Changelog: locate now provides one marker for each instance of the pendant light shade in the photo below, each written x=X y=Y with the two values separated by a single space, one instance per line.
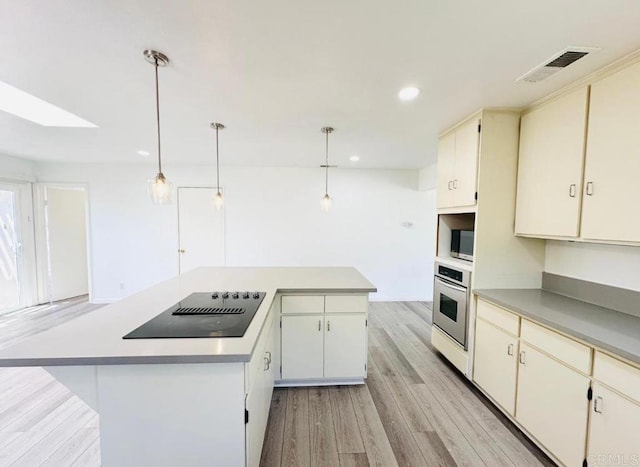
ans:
x=218 y=200
x=325 y=202
x=160 y=189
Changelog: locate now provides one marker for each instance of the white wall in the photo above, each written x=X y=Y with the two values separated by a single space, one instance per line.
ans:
x=273 y=218
x=607 y=264
x=13 y=168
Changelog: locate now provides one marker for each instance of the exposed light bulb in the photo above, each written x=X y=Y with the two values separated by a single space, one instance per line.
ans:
x=325 y=203
x=160 y=190
x=218 y=201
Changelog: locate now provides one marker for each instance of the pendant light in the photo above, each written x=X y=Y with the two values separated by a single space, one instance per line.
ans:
x=218 y=201
x=325 y=202
x=160 y=189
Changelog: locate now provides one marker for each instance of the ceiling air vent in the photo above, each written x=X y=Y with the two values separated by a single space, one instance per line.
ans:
x=556 y=63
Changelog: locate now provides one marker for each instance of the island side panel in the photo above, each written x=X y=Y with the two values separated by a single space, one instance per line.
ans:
x=168 y=415
x=81 y=380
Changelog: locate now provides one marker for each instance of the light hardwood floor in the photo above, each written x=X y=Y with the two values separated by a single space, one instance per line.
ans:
x=41 y=422
x=414 y=410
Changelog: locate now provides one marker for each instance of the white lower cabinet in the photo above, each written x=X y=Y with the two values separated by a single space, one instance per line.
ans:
x=345 y=346
x=495 y=365
x=302 y=347
x=552 y=404
x=259 y=377
x=324 y=346
x=614 y=429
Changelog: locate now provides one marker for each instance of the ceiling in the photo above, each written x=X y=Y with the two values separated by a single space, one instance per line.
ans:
x=274 y=72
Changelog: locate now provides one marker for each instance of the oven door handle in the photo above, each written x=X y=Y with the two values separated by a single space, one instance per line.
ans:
x=451 y=285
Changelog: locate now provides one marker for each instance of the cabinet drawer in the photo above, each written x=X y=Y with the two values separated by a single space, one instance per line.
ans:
x=302 y=304
x=498 y=317
x=562 y=348
x=346 y=303
x=618 y=375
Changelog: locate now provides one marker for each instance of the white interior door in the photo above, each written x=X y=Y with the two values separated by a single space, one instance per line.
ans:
x=66 y=226
x=17 y=253
x=200 y=229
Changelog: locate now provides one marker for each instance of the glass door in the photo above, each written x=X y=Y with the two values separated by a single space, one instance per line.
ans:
x=11 y=296
x=17 y=246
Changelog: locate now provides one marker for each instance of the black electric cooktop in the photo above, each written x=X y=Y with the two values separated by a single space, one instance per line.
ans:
x=215 y=314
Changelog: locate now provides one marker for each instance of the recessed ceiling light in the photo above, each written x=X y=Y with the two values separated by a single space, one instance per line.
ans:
x=354 y=158
x=24 y=105
x=408 y=93
x=144 y=153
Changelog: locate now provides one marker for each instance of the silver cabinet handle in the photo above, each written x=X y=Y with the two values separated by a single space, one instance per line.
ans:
x=590 y=188
x=522 y=357
x=268 y=355
x=572 y=190
x=455 y=184
x=319 y=325
x=328 y=325
x=449 y=185
x=267 y=363
x=510 y=349
x=597 y=404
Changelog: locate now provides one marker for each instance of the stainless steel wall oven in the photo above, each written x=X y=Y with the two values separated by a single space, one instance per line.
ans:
x=451 y=301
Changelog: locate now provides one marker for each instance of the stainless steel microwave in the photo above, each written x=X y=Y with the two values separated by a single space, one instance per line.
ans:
x=462 y=244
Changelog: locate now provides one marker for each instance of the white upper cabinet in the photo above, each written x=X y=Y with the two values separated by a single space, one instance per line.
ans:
x=458 y=166
x=446 y=169
x=550 y=167
x=613 y=159
x=465 y=183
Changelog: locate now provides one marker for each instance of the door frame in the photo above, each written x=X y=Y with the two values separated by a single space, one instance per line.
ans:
x=41 y=241
x=27 y=265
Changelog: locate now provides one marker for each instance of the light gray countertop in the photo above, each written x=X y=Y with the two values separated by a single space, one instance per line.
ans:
x=96 y=338
x=610 y=330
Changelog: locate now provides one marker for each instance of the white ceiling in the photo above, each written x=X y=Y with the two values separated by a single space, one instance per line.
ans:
x=276 y=71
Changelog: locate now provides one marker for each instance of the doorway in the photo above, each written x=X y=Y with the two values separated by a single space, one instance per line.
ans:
x=63 y=269
x=17 y=252
x=200 y=229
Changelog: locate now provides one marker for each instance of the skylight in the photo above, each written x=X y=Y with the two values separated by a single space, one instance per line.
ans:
x=24 y=105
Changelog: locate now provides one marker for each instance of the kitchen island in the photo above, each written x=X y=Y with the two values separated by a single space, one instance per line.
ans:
x=199 y=401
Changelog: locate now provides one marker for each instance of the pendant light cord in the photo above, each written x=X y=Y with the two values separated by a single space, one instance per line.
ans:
x=158 y=118
x=326 y=177
x=217 y=161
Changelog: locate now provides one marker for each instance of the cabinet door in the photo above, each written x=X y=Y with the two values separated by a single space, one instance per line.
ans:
x=614 y=428
x=465 y=181
x=446 y=163
x=302 y=346
x=345 y=349
x=550 y=166
x=612 y=164
x=495 y=364
x=253 y=435
x=552 y=404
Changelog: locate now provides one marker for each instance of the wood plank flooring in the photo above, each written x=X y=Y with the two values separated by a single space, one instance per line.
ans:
x=414 y=410
x=41 y=422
